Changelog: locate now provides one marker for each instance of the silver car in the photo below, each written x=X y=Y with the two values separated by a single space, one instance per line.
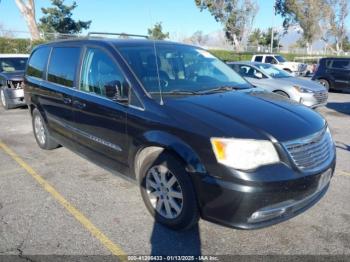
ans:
x=272 y=79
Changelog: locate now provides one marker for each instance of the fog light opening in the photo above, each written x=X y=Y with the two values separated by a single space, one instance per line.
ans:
x=264 y=215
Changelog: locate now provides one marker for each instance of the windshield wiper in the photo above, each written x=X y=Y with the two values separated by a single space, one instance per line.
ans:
x=220 y=89
x=180 y=92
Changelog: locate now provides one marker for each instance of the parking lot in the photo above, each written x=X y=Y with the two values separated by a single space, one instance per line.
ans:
x=55 y=202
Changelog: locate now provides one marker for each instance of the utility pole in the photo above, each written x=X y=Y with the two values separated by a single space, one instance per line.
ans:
x=272 y=27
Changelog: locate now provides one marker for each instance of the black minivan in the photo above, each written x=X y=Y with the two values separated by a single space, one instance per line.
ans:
x=198 y=139
x=333 y=73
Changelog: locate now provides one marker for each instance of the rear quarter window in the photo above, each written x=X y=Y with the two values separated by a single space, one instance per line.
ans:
x=37 y=62
x=340 y=64
x=63 y=65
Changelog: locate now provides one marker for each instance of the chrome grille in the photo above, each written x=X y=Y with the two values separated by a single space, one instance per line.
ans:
x=312 y=153
x=321 y=97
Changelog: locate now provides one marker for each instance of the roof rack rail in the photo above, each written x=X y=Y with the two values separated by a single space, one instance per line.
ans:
x=118 y=34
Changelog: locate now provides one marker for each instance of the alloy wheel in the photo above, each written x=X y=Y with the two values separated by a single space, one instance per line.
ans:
x=324 y=83
x=164 y=192
x=39 y=130
x=3 y=99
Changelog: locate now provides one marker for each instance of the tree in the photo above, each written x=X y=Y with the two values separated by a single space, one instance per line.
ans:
x=259 y=37
x=306 y=13
x=198 y=38
x=339 y=14
x=256 y=37
x=27 y=9
x=58 y=19
x=346 y=44
x=237 y=17
x=157 y=32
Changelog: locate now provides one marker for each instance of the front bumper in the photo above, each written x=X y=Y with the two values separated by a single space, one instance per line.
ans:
x=15 y=97
x=312 y=100
x=277 y=192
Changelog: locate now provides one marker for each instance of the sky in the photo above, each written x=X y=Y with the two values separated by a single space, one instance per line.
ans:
x=180 y=18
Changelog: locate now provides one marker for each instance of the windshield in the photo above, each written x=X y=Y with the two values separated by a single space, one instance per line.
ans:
x=13 y=64
x=280 y=59
x=180 y=68
x=273 y=71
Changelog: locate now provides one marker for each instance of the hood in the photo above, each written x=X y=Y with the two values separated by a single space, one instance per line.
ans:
x=15 y=75
x=257 y=111
x=292 y=81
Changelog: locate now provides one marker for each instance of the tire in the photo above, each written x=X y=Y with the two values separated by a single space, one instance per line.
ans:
x=184 y=213
x=41 y=133
x=325 y=83
x=4 y=99
x=281 y=93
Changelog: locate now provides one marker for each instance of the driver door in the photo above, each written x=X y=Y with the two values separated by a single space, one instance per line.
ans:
x=100 y=121
x=271 y=60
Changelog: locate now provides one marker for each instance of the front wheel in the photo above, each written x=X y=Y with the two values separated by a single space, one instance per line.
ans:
x=41 y=133
x=4 y=99
x=281 y=93
x=167 y=191
x=325 y=83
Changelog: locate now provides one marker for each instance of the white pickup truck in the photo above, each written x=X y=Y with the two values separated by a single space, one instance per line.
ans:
x=280 y=62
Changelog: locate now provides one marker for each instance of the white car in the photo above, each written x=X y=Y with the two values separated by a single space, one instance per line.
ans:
x=12 y=68
x=280 y=62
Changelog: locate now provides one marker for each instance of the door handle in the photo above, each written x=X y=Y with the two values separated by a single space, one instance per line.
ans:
x=79 y=104
x=67 y=100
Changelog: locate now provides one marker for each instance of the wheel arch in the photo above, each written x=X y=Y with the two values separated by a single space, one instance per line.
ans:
x=280 y=90
x=160 y=141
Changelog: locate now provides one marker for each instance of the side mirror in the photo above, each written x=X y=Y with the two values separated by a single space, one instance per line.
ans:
x=258 y=75
x=117 y=91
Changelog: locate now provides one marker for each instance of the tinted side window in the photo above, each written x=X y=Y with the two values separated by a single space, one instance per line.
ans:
x=270 y=60
x=63 y=64
x=101 y=75
x=341 y=64
x=328 y=63
x=37 y=62
x=134 y=100
x=258 y=58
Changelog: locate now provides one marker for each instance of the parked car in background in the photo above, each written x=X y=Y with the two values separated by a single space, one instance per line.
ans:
x=198 y=139
x=333 y=73
x=280 y=62
x=12 y=68
x=275 y=80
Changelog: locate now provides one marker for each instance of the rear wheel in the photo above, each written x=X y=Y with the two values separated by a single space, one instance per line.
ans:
x=167 y=191
x=41 y=133
x=325 y=83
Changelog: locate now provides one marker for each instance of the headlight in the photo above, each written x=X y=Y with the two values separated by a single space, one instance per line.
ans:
x=244 y=154
x=302 y=89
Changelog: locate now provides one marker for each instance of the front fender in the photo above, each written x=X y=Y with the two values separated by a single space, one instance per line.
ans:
x=172 y=143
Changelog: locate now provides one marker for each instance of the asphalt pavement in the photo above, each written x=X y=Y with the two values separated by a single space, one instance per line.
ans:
x=57 y=203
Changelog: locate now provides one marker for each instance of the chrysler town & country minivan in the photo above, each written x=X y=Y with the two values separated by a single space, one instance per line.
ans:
x=198 y=139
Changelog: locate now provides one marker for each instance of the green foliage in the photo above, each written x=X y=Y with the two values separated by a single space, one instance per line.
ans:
x=17 y=45
x=58 y=19
x=346 y=44
x=259 y=37
x=306 y=13
x=157 y=32
x=230 y=56
x=236 y=17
